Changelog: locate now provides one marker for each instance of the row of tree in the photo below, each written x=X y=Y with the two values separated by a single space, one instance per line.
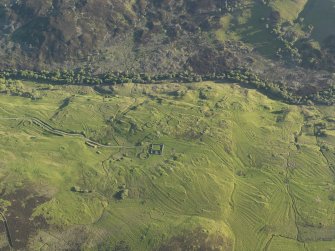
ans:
x=86 y=77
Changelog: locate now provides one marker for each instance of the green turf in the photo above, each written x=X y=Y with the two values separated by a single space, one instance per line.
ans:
x=240 y=169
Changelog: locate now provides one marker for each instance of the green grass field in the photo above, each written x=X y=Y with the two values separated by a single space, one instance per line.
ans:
x=239 y=171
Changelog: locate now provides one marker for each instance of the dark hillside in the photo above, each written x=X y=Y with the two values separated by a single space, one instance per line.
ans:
x=49 y=33
x=275 y=39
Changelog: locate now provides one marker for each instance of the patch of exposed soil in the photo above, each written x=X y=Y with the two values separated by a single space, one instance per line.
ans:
x=199 y=240
x=19 y=218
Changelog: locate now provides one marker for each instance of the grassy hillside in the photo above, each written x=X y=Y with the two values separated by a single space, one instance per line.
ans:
x=238 y=171
x=320 y=14
x=288 y=9
x=247 y=27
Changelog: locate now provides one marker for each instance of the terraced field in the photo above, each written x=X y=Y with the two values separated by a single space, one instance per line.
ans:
x=239 y=171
